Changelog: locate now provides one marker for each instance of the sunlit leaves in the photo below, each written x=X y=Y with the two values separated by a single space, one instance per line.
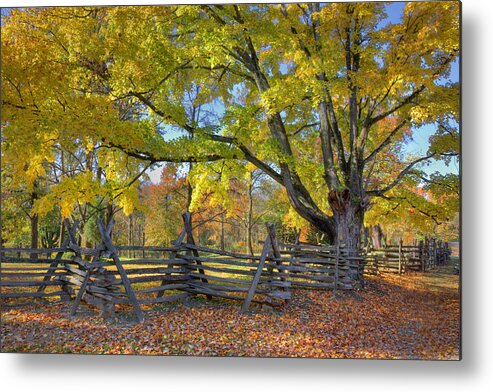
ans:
x=153 y=81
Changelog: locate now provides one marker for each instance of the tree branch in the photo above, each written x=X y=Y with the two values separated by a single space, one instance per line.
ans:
x=133 y=180
x=147 y=156
x=405 y=199
x=304 y=127
x=213 y=14
x=399 y=105
x=327 y=154
x=249 y=156
x=381 y=192
x=442 y=184
x=385 y=143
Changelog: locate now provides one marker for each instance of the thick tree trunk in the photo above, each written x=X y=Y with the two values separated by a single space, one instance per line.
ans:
x=348 y=216
x=298 y=195
x=349 y=226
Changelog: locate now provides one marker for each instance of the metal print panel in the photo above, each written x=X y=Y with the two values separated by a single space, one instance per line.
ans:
x=262 y=180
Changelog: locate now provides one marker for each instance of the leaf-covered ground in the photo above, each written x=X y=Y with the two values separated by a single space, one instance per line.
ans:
x=413 y=316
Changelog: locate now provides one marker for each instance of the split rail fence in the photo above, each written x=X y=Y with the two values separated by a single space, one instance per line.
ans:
x=104 y=280
x=102 y=277
x=421 y=256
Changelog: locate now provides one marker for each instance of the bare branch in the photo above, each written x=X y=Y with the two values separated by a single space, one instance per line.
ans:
x=133 y=180
x=406 y=200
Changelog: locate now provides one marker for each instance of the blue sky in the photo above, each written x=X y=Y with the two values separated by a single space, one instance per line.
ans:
x=419 y=145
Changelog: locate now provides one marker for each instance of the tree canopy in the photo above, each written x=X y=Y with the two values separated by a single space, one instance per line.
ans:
x=321 y=98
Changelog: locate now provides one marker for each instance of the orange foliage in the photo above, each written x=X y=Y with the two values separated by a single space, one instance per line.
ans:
x=304 y=234
x=410 y=316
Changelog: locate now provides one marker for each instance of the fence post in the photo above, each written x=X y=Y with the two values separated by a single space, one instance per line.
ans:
x=336 y=272
x=275 y=247
x=400 y=256
x=82 y=288
x=71 y=229
x=187 y=221
x=98 y=251
x=114 y=255
x=365 y=252
x=258 y=273
x=422 y=255
x=435 y=255
x=173 y=255
x=294 y=254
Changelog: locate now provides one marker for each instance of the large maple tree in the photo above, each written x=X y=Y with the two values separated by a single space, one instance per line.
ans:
x=311 y=94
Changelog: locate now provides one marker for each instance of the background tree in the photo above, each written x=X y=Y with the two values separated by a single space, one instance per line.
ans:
x=164 y=203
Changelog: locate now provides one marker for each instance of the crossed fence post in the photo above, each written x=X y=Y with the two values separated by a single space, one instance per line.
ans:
x=270 y=245
x=71 y=229
x=107 y=245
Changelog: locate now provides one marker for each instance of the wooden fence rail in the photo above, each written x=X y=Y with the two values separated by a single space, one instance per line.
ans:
x=171 y=273
x=400 y=258
x=103 y=281
x=183 y=270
